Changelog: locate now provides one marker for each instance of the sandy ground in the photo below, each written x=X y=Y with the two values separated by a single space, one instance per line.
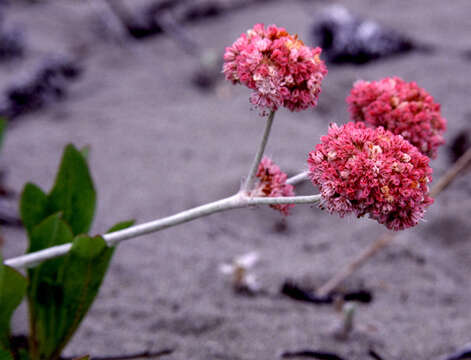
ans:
x=160 y=145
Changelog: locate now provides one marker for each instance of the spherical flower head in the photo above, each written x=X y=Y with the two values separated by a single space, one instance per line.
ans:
x=402 y=108
x=277 y=66
x=371 y=171
x=272 y=183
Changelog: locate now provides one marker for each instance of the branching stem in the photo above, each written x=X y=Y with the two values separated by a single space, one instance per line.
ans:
x=239 y=200
x=236 y=201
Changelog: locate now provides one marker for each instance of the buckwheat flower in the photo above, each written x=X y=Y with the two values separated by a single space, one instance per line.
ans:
x=371 y=171
x=277 y=66
x=272 y=183
x=402 y=108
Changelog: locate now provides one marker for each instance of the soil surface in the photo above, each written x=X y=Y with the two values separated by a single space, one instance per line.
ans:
x=160 y=145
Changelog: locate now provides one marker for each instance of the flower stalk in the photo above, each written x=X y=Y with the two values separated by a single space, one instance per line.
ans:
x=296 y=179
x=238 y=200
x=249 y=181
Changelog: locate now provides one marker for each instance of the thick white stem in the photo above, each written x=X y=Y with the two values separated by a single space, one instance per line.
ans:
x=182 y=217
x=236 y=201
x=307 y=199
x=35 y=258
x=249 y=181
x=296 y=179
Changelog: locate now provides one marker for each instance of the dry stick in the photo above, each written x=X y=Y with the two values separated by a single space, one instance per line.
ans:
x=460 y=165
x=385 y=239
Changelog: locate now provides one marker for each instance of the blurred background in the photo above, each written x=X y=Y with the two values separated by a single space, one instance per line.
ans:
x=140 y=82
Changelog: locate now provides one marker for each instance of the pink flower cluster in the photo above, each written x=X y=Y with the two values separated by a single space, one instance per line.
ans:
x=272 y=183
x=371 y=171
x=280 y=69
x=402 y=108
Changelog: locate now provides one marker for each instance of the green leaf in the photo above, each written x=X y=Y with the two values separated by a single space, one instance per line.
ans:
x=85 y=151
x=86 y=357
x=121 y=225
x=50 y=232
x=62 y=290
x=33 y=206
x=5 y=355
x=73 y=193
x=45 y=293
x=2 y=274
x=12 y=290
x=23 y=354
x=82 y=274
x=3 y=125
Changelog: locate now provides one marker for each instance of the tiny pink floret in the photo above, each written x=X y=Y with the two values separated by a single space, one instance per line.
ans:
x=282 y=71
x=363 y=171
x=402 y=108
x=272 y=183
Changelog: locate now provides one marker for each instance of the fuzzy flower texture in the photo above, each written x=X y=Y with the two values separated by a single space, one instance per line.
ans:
x=280 y=69
x=371 y=171
x=402 y=108
x=272 y=183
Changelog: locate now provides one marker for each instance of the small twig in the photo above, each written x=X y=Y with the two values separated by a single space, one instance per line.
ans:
x=249 y=181
x=144 y=354
x=461 y=164
x=385 y=239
